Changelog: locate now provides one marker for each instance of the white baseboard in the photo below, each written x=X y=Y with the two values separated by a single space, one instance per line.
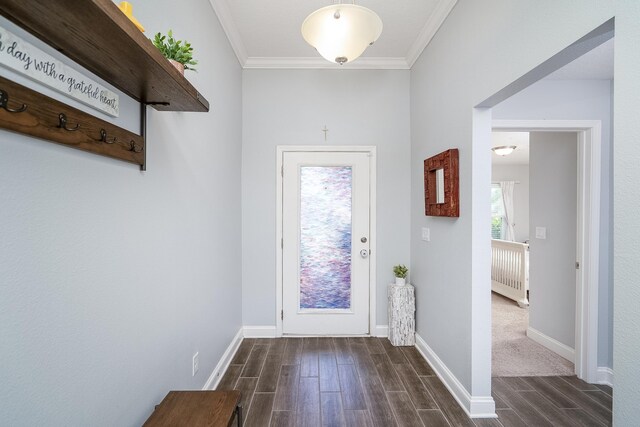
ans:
x=474 y=406
x=224 y=362
x=604 y=376
x=552 y=344
x=259 y=331
x=381 y=331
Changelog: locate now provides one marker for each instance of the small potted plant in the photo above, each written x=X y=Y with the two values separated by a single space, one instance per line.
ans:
x=400 y=271
x=179 y=54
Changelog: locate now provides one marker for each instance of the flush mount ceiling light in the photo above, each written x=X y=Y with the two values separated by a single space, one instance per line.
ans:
x=504 y=150
x=341 y=32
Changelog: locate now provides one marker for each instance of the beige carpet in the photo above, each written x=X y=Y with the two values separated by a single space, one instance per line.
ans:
x=513 y=354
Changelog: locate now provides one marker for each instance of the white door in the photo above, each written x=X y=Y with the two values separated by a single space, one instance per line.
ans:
x=325 y=256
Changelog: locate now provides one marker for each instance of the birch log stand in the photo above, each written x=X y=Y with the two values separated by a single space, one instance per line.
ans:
x=402 y=307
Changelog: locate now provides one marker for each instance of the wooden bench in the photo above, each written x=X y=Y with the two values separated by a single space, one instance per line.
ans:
x=197 y=408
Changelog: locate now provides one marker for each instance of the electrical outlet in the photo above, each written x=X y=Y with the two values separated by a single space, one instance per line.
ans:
x=196 y=364
x=426 y=234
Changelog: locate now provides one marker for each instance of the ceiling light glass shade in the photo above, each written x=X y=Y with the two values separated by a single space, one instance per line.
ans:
x=341 y=32
x=504 y=150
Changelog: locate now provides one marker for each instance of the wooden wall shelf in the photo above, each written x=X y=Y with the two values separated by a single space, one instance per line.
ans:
x=98 y=36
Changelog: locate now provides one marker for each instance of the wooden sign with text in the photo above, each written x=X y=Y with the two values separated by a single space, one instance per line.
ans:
x=22 y=57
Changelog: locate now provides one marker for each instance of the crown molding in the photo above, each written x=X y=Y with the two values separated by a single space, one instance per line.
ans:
x=221 y=8
x=442 y=10
x=362 y=63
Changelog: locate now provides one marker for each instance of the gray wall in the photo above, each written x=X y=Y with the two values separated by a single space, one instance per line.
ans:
x=520 y=174
x=553 y=160
x=290 y=107
x=480 y=49
x=627 y=205
x=580 y=100
x=110 y=278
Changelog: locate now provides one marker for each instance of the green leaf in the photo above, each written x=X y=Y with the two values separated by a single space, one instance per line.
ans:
x=177 y=50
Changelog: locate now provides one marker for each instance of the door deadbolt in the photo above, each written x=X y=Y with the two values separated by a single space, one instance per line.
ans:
x=363 y=240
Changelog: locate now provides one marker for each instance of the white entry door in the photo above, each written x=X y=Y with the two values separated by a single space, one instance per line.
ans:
x=325 y=256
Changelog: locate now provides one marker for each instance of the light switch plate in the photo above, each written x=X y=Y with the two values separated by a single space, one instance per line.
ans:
x=541 y=232
x=426 y=234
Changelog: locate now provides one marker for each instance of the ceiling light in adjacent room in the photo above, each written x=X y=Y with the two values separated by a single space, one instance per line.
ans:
x=504 y=150
x=341 y=32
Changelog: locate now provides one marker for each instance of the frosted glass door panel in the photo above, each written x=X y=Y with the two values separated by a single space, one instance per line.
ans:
x=325 y=237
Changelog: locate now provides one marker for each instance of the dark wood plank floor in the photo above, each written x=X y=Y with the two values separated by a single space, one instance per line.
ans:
x=368 y=382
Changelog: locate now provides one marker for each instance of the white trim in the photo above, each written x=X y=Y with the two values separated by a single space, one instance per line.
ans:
x=362 y=63
x=437 y=17
x=260 y=332
x=544 y=125
x=381 y=331
x=371 y=149
x=373 y=238
x=588 y=250
x=552 y=344
x=605 y=376
x=278 y=242
x=473 y=406
x=222 y=11
x=480 y=380
x=224 y=362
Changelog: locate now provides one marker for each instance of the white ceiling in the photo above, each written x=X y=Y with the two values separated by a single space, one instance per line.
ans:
x=267 y=34
x=596 y=64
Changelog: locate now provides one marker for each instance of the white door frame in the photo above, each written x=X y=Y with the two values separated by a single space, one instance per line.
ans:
x=588 y=231
x=371 y=150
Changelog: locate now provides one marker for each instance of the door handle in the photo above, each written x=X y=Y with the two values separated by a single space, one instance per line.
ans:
x=364 y=253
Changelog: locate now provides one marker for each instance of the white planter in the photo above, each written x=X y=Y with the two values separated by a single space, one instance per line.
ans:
x=401 y=281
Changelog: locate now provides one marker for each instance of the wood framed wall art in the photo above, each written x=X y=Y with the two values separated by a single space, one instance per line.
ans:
x=441 y=184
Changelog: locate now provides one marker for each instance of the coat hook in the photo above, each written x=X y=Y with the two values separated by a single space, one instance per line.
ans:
x=103 y=137
x=134 y=147
x=4 y=102
x=63 y=123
